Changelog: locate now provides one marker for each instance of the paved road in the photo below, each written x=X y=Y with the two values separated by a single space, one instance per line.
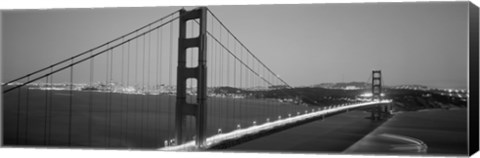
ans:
x=334 y=134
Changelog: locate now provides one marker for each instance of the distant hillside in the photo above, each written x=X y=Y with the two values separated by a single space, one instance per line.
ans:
x=344 y=85
x=228 y=90
x=365 y=85
x=404 y=99
x=309 y=95
x=413 y=86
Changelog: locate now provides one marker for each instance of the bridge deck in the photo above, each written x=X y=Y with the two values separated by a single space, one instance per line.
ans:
x=332 y=135
x=214 y=140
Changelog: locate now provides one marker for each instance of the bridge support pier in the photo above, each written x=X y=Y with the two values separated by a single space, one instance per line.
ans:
x=372 y=115
x=375 y=113
x=380 y=112
x=198 y=109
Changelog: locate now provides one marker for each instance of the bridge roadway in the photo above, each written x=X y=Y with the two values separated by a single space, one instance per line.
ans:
x=219 y=138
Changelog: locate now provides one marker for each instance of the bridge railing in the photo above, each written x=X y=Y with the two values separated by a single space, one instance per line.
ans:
x=317 y=113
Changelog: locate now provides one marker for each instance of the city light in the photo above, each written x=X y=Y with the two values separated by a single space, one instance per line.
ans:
x=366 y=95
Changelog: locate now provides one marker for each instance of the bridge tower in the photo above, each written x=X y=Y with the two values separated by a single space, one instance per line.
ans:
x=183 y=108
x=377 y=84
x=376 y=94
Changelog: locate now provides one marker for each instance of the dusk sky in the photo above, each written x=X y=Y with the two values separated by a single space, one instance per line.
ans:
x=412 y=43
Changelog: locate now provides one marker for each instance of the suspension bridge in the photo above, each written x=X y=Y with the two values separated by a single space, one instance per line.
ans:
x=182 y=82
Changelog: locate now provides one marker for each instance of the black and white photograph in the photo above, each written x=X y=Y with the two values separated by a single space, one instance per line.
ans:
x=377 y=78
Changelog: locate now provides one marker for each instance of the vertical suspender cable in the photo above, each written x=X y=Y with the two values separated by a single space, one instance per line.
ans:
x=106 y=96
x=142 y=109
x=216 y=72
x=18 y=116
x=241 y=94
x=148 y=83
x=234 y=88
x=217 y=82
x=170 y=132
x=128 y=86
x=211 y=79
x=221 y=74
x=157 y=86
x=70 y=106
x=247 y=86
x=112 y=87
x=122 y=94
x=241 y=89
x=45 y=112
x=228 y=84
x=135 y=105
x=51 y=107
x=211 y=104
x=150 y=88
x=90 y=100
x=27 y=101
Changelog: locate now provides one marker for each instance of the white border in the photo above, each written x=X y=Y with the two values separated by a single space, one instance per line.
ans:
x=83 y=153
x=48 y=4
